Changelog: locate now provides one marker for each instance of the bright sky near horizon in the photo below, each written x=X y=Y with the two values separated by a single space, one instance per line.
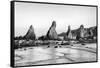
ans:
x=42 y=15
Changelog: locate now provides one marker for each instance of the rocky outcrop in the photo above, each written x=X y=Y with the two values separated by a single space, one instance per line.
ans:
x=86 y=32
x=80 y=33
x=30 y=34
x=68 y=34
x=52 y=34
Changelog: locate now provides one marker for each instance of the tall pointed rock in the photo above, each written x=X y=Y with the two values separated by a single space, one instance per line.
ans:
x=30 y=34
x=52 y=34
x=81 y=31
x=68 y=34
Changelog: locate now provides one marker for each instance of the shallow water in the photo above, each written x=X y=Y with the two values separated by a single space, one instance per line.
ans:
x=43 y=55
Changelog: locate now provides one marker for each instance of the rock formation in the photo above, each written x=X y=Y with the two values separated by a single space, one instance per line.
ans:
x=52 y=34
x=30 y=34
x=80 y=33
x=68 y=34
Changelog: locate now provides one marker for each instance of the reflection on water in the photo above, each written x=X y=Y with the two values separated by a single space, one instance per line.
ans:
x=42 y=55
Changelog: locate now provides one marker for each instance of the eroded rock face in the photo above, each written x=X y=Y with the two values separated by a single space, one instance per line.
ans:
x=52 y=34
x=30 y=34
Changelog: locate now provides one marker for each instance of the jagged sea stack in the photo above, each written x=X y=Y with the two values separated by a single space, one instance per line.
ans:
x=81 y=31
x=52 y=34
x=68 y=34
x=30 y=34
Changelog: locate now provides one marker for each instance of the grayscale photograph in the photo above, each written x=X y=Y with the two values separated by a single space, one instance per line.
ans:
x=54 y=34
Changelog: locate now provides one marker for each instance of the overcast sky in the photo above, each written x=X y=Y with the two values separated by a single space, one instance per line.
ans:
x=42 y=15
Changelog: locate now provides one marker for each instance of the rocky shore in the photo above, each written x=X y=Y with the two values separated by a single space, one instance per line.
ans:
x=80 y=35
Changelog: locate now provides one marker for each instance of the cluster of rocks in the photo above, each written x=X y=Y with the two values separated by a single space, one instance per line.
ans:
x=81 y=33
x=51 y=34
x=77 y=34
